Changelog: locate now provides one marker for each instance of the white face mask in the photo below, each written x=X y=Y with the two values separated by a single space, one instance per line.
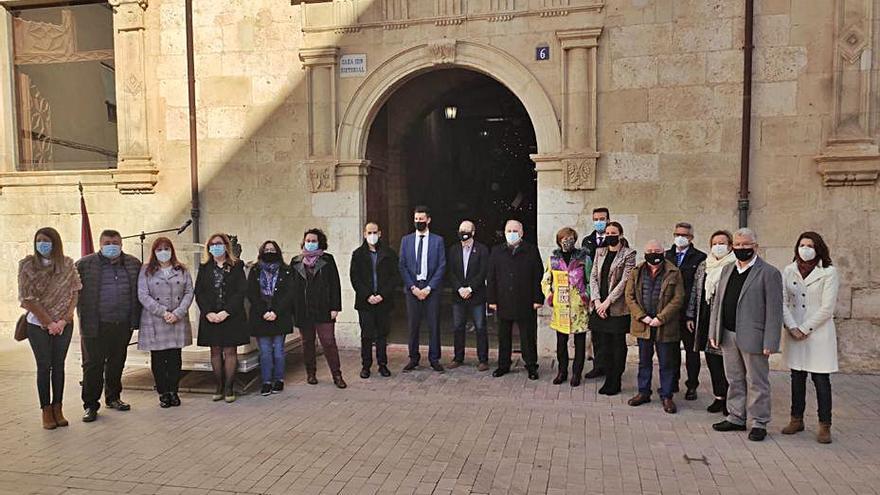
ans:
x=720 y=250
x=807 y=253
x=681 y=241
x=372 y=239
x=163 y=255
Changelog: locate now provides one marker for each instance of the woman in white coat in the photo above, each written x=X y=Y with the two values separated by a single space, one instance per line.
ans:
x=809 y=297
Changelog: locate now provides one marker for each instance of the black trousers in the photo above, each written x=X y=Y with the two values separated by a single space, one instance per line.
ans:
x=528 y=339
x=822 y=381
x=596 y=342
x=166 y=366
x=692 y=360
x=103 y=360
x=49 y=353
x=580 y=352
x=715 y=363
x=613 y=356
x=375 y=326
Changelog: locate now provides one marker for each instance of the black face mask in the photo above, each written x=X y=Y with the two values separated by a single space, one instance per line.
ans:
x=612 y=240
x=465 y=236
x=654 y=259
x=270 y=257
x=744 y=254
x=420 y=226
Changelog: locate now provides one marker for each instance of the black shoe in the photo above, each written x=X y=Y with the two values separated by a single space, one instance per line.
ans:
x=277 y=387
x=384 y=371
x=365 y=373
x=757 y=434
x=594 y=373
x=560 y=377
x=410 y=366
x=175 y=399
x=728 y=426
x=691 y=394
x=500 y=372
x=118 y=405
x=339 y=382
x=165 y=401
x=533 y=374
x=266 y=389
x=437 y=367
x=311 y=379
x=717 y=406
x=90 y=415
x=575 y=380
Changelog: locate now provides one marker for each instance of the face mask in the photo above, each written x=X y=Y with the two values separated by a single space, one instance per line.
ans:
x=654 y=259
x=612 y=240
x=270 y=257
x=512 y=237
x=310 y=246
x=600 y=225
x=807 y=253
x=44 y=248
x=567 y=244
x=464 y=235
x=681 y=241
x=163 y=255
x=719 y=250
x=111 y=250
x=744 y=254
x=420 y=226
x=217 y=249
x=372 y=239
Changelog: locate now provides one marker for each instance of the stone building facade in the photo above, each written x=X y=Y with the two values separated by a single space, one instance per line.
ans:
x=636 y=105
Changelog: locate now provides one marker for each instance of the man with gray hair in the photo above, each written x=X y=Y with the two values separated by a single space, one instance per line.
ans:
x=746 y=323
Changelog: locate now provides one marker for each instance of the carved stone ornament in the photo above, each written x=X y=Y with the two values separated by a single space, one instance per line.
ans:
x=322 y=176
x=579 y=174
x=442 y=51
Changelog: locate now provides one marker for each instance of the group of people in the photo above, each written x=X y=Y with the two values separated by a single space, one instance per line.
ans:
x=729 y=304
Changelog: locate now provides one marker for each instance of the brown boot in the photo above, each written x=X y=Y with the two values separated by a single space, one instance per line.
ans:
x=794 y=426
x=60 y=420
x=824 y=435
x=49 y=418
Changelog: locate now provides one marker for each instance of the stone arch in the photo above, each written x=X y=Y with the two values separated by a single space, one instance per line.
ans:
x=354 y=128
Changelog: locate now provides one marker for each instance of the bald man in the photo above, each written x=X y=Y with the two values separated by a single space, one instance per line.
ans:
x=467 y=263
x=514 y=293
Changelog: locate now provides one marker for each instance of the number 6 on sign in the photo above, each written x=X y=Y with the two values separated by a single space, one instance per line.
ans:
x=542 y=52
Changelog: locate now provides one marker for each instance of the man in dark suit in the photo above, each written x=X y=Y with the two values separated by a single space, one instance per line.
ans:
x=687 y=258
x=373 y=276
x=466 y=269
x=422 y=267
x=514 y=293
x=596 y=239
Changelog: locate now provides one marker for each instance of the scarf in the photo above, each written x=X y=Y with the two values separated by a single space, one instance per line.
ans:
x=806 y=267
x=268 y=277
x=54 y=287
x=713 y=273
x=309 y=258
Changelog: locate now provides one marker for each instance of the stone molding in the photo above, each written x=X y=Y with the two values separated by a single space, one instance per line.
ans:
x=129 y=179
x=578 y=169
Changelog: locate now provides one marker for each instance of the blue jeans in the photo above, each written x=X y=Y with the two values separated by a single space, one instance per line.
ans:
x=460 y=314
x=646 y=365
x=271 y=358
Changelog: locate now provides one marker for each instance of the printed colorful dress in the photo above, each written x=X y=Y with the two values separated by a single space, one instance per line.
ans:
x=570 y=289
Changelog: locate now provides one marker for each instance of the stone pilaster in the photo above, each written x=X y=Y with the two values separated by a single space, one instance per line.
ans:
x=320 y=63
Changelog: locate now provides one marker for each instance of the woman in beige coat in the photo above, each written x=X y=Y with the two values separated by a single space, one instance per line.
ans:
x=810 y=287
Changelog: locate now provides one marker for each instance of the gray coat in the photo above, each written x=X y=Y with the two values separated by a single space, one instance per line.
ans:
x=758 y=313
x=159 y=293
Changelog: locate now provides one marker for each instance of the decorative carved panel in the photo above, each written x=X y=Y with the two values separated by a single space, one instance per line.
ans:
x=322 y=175
x=579 y=173
x=442 y=51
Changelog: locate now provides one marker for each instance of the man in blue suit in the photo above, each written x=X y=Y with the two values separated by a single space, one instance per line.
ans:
x=422 y=267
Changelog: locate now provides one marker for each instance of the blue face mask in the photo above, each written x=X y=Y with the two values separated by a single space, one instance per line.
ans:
x=600 y=225
x=111 y=250
x=310 y=246
x=217 y=249
x=512 y=237
x=44 y=248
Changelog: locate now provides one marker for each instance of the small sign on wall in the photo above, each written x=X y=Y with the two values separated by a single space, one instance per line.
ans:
x=353 y=65
x=542 y=52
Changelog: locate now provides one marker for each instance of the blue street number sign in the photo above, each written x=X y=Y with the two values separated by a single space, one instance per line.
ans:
x=542 y=52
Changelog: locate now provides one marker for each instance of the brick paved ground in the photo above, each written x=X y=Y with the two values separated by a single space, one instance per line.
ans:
x=424 y=433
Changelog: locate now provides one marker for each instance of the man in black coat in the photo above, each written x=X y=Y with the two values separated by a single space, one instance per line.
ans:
x=467 y=264
x=109 y=310
x=374 y=276
x=514 y=293
x=596 y=239
x=687 y=258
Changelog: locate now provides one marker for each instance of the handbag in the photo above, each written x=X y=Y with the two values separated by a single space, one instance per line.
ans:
x=21 y=328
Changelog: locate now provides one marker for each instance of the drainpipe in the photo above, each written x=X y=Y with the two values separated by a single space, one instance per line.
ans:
x=193 y=134
x=745 y=151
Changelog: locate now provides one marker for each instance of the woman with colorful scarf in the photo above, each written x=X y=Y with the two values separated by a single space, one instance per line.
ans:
x=317 y=300
x=271 y=316
x=567 y=288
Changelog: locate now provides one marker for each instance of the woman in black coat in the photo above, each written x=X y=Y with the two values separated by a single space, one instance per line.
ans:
x=271 y=316
x=317 y=300
x=220 y=291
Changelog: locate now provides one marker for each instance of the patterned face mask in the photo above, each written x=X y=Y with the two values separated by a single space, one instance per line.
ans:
x=567 y=244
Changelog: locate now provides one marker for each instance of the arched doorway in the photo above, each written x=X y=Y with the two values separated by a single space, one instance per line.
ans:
x=459 y=142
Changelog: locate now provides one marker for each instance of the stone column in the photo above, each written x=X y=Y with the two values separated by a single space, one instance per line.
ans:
x=320 y=64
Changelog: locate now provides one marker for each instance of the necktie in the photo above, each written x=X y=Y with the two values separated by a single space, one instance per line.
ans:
x=679 y=257
x=419 y=254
